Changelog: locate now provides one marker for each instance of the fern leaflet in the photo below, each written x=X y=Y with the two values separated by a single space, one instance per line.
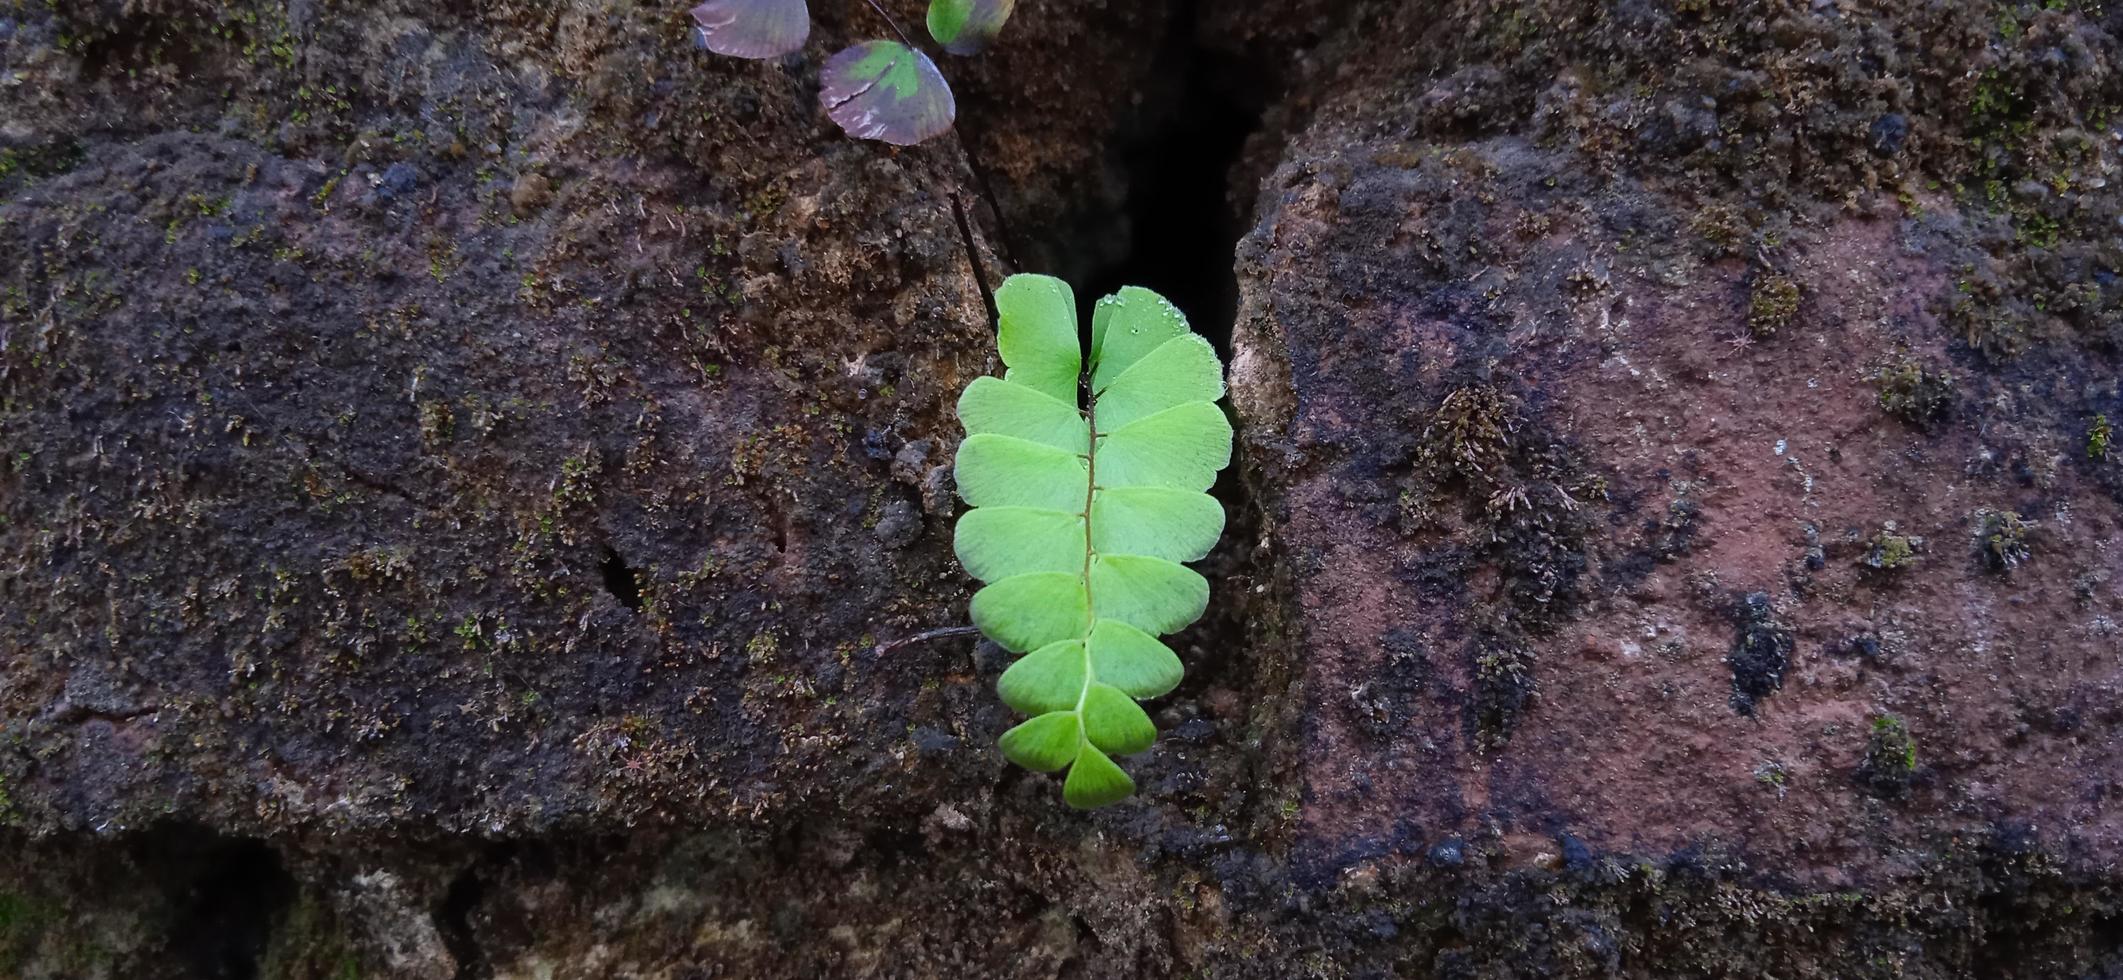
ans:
x=1087 y=485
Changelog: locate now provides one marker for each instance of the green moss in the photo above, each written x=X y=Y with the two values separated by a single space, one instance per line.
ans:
x=577 y=484
x=468 y=631
x=1503 y=688
x=323 y=198
x=2099 y=439
x=23 y=923
x=1469 y=436
x=1722 y=227
x=311 y=943
x=437 y=422
x=1774 y=775
x=2034 y=229
x=1997 y=110
x=1773 y=306
x=1889 y=765
x=1891 y=552
x=1914 y=393
x=1981 y=321
x=2001 y=539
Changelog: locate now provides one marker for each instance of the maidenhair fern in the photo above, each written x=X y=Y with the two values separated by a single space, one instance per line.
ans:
x=1087 y=487
x=875 y=90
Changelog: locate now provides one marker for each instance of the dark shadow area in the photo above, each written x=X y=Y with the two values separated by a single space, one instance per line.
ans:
x=619 y=579
x=454 y=922
x=1198 y=109
x=228 y=912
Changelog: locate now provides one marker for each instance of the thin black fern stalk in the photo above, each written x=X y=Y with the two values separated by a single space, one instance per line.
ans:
x=943 y=633
x=891 y=23
x=980 y=269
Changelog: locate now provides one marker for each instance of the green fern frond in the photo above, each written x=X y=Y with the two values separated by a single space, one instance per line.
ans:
x=1087 y=486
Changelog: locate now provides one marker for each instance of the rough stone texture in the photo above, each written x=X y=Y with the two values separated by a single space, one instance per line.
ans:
x=1666 y=526
x=460 y=458
x=475 y=474
x=1583 y=512
x=1585 y=394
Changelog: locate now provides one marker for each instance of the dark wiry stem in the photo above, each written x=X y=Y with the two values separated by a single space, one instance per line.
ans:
x=936 y=634
x=909 y=42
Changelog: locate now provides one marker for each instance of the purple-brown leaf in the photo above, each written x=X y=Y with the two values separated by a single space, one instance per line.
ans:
x=884 y=90
x=752 y=28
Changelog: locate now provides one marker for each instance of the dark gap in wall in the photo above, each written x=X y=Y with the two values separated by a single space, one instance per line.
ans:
x=227 y=914
x=619 y=579
x=895 y=846
x=454 y=919
x=1199 y=106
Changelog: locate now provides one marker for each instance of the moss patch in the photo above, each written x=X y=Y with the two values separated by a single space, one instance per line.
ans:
x=1891 y=552
x=1889 y=765
x=1915 y=393
x=1773 y=306
x=2002 y=539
